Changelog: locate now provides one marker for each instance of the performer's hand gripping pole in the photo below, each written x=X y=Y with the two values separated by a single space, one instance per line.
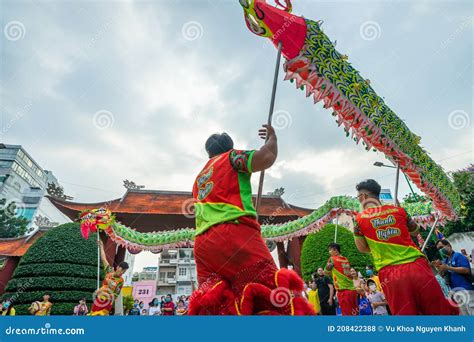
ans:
x=270 y=115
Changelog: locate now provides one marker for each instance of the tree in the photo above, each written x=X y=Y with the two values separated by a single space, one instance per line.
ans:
x=464 y=182
x=127 y=303
x=11 y=225
x=414 y=198
x=57 y=191
x=60 y=263
x=315 y=250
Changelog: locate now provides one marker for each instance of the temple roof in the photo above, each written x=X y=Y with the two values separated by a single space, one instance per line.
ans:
x=19 y=245
x=147 y=209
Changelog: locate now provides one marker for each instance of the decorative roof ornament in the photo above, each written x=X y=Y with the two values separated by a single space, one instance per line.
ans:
x=45 y=222
x=131 y=185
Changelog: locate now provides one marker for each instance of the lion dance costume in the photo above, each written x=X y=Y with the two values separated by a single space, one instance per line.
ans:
x=236 y=273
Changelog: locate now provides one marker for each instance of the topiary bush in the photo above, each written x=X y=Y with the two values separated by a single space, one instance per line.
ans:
x=314 y=253
x=60 y=263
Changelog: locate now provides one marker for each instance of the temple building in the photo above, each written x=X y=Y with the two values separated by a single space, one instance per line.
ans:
x=147 y=211
x=157 y=210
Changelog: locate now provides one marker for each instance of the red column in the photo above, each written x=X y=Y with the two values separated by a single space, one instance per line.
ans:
x=120 y=255
x=7 y=271
x=282 y=258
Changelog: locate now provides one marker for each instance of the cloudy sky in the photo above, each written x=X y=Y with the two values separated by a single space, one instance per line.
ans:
x=102 y=91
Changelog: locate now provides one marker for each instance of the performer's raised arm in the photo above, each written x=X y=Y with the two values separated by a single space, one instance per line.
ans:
x=265 y=156
x=103 y=257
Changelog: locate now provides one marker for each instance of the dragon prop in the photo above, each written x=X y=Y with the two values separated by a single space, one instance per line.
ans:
x=155 y=242
x=314 y=65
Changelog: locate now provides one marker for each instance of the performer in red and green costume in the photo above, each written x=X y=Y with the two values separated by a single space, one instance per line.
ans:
x=105 y=296
x=236 y=272
x=340 y=270
x=405 y=274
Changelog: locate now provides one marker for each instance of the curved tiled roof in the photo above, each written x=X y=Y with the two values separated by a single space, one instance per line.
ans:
x=171 y=203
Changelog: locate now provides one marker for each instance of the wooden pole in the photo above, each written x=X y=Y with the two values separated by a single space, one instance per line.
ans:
x=98 y=260
x=429 y=234
x=270 y=115
x=396 y=185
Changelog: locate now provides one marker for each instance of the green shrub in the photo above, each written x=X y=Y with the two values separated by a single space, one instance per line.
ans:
x=314 y=253
x=56 y=269
x=60 y=263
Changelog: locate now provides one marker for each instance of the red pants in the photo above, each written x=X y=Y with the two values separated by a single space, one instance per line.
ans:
x=237 y=275
x=412 y=289
x=348 y=302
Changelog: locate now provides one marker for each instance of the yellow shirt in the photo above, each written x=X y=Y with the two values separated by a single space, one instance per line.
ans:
x=45 y=309
x=12 y=312
x=313 y=298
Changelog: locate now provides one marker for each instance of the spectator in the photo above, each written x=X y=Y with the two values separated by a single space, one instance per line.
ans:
x=154 y=309
x=135 y=310
x=7 y=309
x=44 y=307
x=369 y=271
x=456 y=265
x=358 y=282
x=313 y=296
x=168 y=307
x=181 y=309
x=325 y=293
x=81 y=308
x=444 y=287
x=162 y=302
x=365 y=308
x=376 y=298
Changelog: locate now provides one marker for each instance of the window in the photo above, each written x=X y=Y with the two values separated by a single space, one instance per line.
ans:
x=162 y=276
x=182 y=271
x=171 y=275
x=24 y=174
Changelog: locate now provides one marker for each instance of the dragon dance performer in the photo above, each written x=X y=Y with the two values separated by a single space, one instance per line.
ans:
x=111 y=286
x=405 y=274
x=236 y=272
x=340 y=270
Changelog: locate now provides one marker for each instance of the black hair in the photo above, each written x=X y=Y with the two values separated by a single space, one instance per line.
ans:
x=444 y=242
x=218 y=143
x=123 y=265
x=370 y=267
x=336 y=246
x=371 y=186
x=371 y=281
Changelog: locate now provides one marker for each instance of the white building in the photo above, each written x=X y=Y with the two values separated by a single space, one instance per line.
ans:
x=176 y=272
x=24 y=182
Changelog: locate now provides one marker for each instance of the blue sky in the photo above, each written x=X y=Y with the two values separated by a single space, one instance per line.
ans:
x=100 y=91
